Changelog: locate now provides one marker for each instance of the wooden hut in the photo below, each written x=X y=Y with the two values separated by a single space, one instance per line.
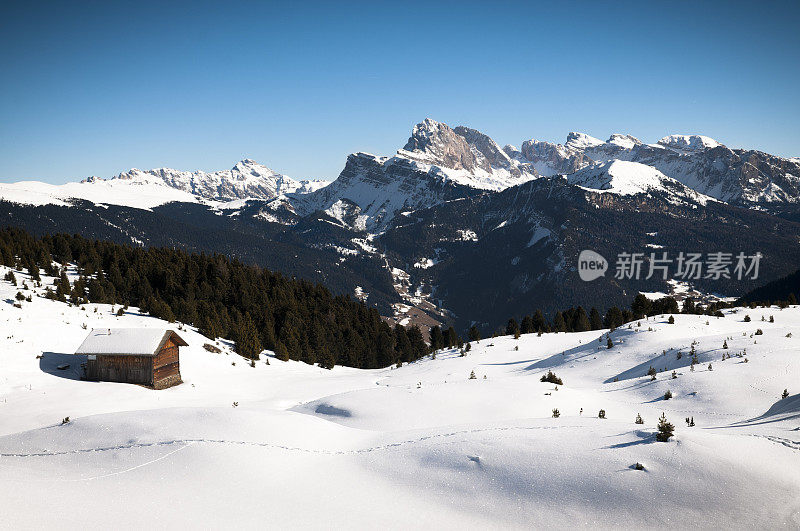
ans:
x=145 y=356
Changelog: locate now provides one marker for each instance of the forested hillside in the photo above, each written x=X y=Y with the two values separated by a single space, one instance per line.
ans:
x=223 y=297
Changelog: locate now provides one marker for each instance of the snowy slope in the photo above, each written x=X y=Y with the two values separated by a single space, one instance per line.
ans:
x=142 y=193
x=631 y=178
x=306 y=447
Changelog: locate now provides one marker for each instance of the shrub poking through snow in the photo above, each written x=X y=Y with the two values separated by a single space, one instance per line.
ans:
x=785 y=393
x=211 y=348
x=472 y=375
x=674 y=375
x=65 y=421
x=651 y=371
x=120 y=312
x=771 y=318
x=710 y=368
x=20 y=296
x=552 y=378
x=638 y=466
x=725 y=344
x=468 y=347
x=609 y=343
x=556 y=413
x=668 y=395
x=665 y=429
x=639 y=419
x=746 y=318
x=759 y=332
x=671 y=319
x=601 y=414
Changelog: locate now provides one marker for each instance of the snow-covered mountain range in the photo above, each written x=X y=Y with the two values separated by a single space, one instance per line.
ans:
x=439 y=164
x=452 y=220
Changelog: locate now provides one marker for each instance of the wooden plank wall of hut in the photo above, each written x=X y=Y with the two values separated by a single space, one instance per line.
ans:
x=131 y=369
x=165 y=363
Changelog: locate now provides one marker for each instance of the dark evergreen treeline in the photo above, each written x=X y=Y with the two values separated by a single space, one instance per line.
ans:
x=781 y=292
x=222 y=297
x=577 y=320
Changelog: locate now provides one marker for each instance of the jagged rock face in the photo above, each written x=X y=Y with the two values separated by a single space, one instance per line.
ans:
x=382 y=188
x=474 y=158
x=247 y=179
x=432 y=142
x=493 y=156
x=735 y=176
x=552 y=159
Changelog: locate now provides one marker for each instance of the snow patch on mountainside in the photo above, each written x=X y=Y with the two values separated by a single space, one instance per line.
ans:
x=145 y=193
x=689 y=142
x=623 y=178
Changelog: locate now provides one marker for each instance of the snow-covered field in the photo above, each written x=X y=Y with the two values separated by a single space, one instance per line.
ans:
x=421 y=445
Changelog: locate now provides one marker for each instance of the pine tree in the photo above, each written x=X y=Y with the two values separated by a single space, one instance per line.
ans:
x=785 y=394
x=452 y=338
x=248 y=344
x=539 y=322
x=526 y=327
x=665 y=429
x=609 y=343
x=595 y=321
x=512 y=328
x=558 y=322
x=437 y=338
x=639 y=419
x=641 y=306
x=614 y=318
x=472 y=375
x=581 y=321
x=792 y=299
x=671 y=319
x=474 y=333
x=281 y=352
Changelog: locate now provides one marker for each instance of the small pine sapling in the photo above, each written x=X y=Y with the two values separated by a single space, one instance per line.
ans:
x=785 y=394
x=556 y=413
x=472 y=375
x=639 y=419
x=665 y=429
x=668 y=395
x=601 y=414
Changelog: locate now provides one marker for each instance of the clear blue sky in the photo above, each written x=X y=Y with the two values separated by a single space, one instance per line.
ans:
x=95 y=88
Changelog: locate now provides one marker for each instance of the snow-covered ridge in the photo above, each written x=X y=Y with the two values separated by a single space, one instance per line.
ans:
x=146 y=189
x=629 y=178
x=689 y=142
